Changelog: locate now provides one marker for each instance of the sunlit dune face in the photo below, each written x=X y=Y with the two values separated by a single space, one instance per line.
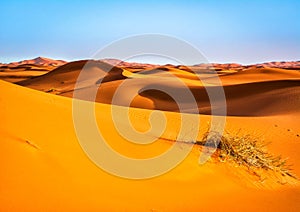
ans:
x=247 y=84
x=44 y=161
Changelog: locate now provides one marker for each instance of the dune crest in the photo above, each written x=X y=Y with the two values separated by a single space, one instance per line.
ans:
x=45 y=162
x=249 y=92
x=41 y=61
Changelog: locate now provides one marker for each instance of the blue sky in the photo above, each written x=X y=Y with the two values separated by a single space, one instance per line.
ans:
x=224 y=31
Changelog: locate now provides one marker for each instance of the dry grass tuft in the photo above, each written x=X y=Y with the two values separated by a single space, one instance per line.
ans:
x=246 y=151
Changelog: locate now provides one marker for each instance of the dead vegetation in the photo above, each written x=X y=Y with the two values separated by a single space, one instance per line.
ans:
x=247 y=151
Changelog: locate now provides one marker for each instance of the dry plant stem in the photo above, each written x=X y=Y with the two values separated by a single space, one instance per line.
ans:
x=247 y=151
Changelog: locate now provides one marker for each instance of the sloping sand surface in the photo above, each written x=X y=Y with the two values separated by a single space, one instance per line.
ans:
x=251 y=92
x=44 y=166
x=41 y=61
x=20 y=72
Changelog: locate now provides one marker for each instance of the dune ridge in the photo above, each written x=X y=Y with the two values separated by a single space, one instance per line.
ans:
x=41 y=61
x=251 y=92
x=26 y=69
x=52 y=169
x=44 y=165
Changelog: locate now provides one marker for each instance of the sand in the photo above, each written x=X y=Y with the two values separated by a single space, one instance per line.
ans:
x=45 y=168
x=250 y=92
x=26 y=69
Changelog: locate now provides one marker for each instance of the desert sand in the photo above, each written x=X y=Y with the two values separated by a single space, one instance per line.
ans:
x=22 y=70
x=45 y=168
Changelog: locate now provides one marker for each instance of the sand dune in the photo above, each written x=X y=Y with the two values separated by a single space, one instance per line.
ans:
x=41 y=61
x=19 y=71
x=44 y=163
x=44 y=166
x=255 y=74
x=251 y=92
x=291 y=65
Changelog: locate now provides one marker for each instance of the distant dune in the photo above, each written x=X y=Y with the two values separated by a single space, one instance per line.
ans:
x=294 y=65
x=19 y=71
x=41 y=61
x=250 y=91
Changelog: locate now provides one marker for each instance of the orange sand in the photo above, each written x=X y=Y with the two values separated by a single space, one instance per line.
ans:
x=44 y=167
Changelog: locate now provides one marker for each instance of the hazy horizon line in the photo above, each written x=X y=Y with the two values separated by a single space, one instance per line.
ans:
x=11 y=60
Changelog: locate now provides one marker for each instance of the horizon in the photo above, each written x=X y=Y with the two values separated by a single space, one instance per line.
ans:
x=143 y=61
x=231 y=32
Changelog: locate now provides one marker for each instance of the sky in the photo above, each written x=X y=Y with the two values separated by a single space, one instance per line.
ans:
x=224 y=31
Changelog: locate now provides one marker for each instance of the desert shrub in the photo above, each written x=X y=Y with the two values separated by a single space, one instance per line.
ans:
x=247 y=151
